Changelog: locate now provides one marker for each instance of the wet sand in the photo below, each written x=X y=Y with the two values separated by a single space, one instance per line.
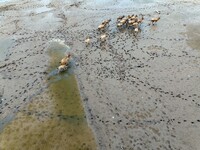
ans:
x=139 y=91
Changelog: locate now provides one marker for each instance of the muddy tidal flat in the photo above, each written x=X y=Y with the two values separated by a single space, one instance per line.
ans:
x=131 y=91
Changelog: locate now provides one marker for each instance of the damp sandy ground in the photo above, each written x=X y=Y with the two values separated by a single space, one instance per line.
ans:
x=139 y=91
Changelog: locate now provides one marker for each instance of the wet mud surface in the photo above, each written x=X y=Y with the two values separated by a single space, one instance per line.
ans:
x=54 y=118
x=139 y=91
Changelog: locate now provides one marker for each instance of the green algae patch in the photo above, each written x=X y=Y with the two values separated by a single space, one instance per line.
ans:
x=54 y=119
x=67 y=97
x=29 y=132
